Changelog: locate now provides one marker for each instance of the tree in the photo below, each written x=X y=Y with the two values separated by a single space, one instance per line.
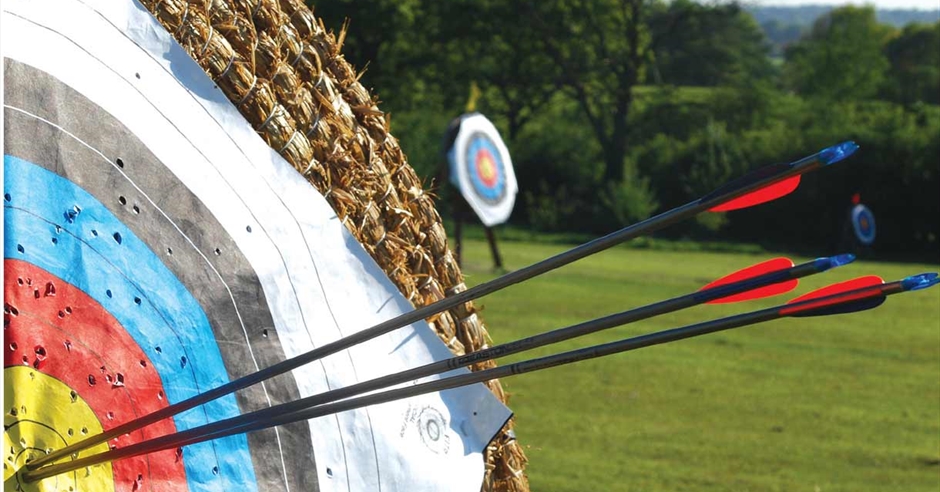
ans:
x=915 y=65
x=841 y=58
x=707 y=45
x=487 y=43
x=599 y=49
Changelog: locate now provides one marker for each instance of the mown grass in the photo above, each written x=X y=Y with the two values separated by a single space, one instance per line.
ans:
x=843 y=403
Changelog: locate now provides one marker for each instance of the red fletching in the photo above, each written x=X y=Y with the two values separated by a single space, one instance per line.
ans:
x=768 y=266
x=762 y=195
x=834 y=289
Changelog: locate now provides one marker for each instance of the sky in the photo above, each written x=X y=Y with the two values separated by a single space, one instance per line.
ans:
x=882 y=4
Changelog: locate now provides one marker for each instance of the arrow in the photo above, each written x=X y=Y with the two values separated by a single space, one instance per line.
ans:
x=748 y=184
x=275 y=415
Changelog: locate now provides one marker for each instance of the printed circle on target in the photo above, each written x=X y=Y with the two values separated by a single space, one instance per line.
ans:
x=863 y=223
x=480 y=167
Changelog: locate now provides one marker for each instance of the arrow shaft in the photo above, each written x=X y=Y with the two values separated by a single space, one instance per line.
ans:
x=749 y=183
x=555 y=336
x=241 y=424
x=200 y=434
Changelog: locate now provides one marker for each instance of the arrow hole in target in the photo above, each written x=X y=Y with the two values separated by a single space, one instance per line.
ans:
x=122 y=200
x=7 y=197
x=117 y=238
x=119 y=162
x=72 y=213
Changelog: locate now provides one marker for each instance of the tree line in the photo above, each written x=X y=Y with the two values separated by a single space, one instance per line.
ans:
x=616 y=109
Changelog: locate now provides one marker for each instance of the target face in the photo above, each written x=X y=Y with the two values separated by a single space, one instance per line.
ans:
x=152 y=252
x=482 y=170
x=863 y=223
x=486 y=169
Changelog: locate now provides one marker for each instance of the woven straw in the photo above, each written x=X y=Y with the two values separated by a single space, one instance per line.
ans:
x=277 y=63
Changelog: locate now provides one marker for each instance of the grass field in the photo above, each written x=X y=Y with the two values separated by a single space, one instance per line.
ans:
x=847 y=403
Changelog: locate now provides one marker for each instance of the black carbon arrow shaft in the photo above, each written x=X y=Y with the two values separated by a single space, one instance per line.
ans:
x=759 y=179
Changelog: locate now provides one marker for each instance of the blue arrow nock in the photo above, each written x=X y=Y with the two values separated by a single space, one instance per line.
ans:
x=838 y=152
x=919 y=282
x=823 y=264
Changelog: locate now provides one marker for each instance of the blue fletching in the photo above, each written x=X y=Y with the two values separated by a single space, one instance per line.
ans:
x=918 y=282
x=844 y=308
x=823 y=264
x=838 y=152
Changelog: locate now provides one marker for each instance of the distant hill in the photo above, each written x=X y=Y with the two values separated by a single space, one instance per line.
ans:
x=804 y=15
x=785 y=24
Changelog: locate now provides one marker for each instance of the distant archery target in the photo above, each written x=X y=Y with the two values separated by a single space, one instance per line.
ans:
x=863 y=223
x=482 y=169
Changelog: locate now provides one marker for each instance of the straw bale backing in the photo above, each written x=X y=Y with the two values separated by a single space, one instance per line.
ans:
x=278 y=64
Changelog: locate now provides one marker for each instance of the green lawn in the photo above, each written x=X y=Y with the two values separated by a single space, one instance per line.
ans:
x=844 y=403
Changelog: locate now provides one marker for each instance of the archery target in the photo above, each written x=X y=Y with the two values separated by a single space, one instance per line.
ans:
x=481 y=168
x=863 y=223
x=151 y=252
